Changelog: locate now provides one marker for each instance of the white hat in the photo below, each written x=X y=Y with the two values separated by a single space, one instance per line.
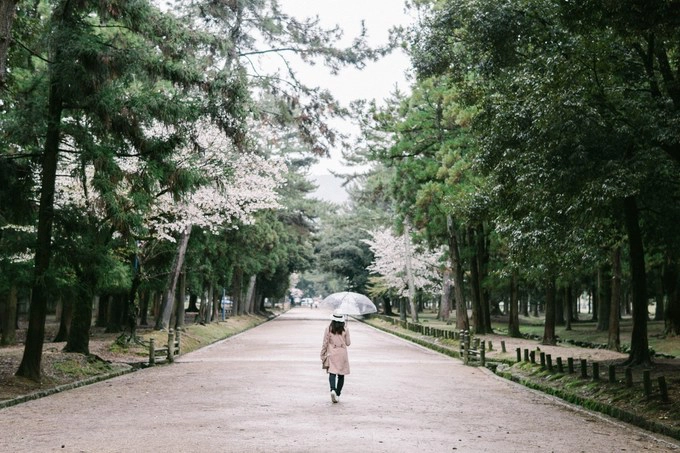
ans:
x=338 y=317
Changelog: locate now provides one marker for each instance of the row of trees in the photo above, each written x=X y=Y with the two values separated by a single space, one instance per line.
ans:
x=142 y=142
x=539 y=146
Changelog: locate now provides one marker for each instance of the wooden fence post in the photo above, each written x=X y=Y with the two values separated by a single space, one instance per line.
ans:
x=570 y=365
x=560 y=367
x=152 y=352
x=519 y=354
x=503 y=347
x=629 y=377
x=663 y=389
x=584 y=368
x=171 y=346
x=647 y=381
x=612 y=373
x=466 y=346
x=482 y=354
x=596 y=371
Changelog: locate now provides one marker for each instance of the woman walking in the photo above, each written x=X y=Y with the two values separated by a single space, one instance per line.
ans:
x=334 y=354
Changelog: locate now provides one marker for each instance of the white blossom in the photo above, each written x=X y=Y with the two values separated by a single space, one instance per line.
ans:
x=390 y=262
x=236 y=185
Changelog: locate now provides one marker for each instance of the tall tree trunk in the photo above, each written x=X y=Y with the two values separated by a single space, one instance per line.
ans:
x=215 y=308
x=209 y=299
x=132 y=306
x=659 y=295
x=250 y=294
x=103 y=310
x=260 y=303
x=193 y=308
x=604 y=296
x=402 y=308
x=513 y=319
x=156 y=305
x=594 y=304
x=66 y=318
x=146 y=296
x=203 y=307
x=409 y=274
x=549 y=328
x=35 y=336
x=672 y=315
x=462 y=322
x=639 y=343
x=116 y=313
x=179 y=300
x=614 y=341
x=163 y=321
x=576 y=303
x=569 y=306
x=445 y=303
x=79 y=333
x=237 y=292
x=9 y=332
x=387 y=306
x=483 y=267
x=559 y=308
x=475 y=285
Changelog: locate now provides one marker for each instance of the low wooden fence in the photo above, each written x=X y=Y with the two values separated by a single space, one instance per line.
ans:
x=592 y=371
x=165 y=354
x=473 y=352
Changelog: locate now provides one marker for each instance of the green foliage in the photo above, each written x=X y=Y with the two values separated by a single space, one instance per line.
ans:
x=81 y=367
x=341 y=250
x=565 y=123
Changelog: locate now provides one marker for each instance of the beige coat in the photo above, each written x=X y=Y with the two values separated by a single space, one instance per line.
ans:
x=335 y=347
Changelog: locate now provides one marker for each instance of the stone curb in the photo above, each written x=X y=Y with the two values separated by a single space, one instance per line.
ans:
x=64 y=387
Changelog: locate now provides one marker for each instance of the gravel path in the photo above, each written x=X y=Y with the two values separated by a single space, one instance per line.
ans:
x=264 y=391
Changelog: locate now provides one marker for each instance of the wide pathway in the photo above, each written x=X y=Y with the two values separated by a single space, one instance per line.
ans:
x=264 y=391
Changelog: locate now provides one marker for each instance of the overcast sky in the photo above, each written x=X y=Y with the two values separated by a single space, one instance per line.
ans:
x=378 y=79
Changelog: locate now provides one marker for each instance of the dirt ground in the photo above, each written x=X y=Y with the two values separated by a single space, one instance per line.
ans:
x=61 y=368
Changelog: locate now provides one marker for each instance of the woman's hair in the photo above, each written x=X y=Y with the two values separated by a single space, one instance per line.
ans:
x=337 y=327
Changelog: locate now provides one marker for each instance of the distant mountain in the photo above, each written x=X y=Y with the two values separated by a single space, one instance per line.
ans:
x=330 y=188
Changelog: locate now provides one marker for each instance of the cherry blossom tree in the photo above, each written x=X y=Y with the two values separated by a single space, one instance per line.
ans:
x=233 y=186
x=403 y=266
x=227 y=187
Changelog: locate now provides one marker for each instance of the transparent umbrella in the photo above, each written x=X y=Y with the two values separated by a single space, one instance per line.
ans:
x=349 y=303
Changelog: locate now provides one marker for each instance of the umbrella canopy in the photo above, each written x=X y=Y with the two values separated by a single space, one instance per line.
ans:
x=349 y=303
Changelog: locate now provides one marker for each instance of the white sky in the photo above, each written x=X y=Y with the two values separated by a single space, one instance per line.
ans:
x=376 y=80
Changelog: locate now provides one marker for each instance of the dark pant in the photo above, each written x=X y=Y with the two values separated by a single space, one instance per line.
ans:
x=340 y=382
